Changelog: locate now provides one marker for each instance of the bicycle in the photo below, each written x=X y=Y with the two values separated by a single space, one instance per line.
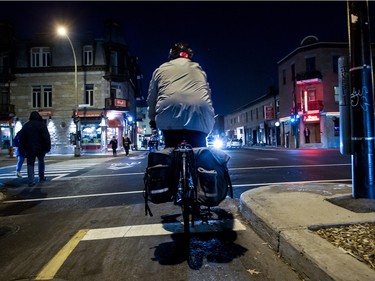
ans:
x=186 y=192
x=175 y=175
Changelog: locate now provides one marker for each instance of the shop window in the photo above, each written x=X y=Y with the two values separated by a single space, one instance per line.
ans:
x=336 y=122
x=91 y=135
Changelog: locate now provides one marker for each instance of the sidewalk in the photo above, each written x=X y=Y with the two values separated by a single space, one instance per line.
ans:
x=5 y=159
x=285 y=217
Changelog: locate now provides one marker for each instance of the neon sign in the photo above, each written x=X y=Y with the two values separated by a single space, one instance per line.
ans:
x=310 y=118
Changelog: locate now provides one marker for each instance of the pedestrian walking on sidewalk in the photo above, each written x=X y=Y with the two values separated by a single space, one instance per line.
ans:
x=36 y=141
x=113 y=143
x=126 y=142
x=20 y=153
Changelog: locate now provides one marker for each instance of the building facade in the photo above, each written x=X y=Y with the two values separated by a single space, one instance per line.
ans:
x=309 y=94
x=309 y=97
x=256 y=123
x=85 y=88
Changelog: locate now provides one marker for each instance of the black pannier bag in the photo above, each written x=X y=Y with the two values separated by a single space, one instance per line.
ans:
x=158 y=178
x=213 y=176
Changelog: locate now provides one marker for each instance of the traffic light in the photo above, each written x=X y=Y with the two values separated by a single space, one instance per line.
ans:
x=78 y=135
x=76 y=119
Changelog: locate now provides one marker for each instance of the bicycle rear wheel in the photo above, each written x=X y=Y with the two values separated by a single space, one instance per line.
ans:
x=185 y=194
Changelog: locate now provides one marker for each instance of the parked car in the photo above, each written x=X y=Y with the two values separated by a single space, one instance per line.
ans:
x=234 y=143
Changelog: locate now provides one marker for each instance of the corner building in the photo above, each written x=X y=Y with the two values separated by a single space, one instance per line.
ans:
x=309 y=97
x=40 y=76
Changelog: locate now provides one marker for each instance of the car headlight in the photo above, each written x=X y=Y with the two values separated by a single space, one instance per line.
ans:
x=218 y=144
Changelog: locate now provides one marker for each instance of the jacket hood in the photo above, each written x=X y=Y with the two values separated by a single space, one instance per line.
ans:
x=35 y=116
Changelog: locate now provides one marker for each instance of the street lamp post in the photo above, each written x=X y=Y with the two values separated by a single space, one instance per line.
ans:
x=77 y=150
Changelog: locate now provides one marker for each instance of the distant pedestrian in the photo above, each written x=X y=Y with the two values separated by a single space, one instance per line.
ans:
x=307 y=135
x=36 y=141
x=113 y=143
x=20 y=153
x=126 y=142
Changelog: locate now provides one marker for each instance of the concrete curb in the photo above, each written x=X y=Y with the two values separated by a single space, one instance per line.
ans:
x=283 y=219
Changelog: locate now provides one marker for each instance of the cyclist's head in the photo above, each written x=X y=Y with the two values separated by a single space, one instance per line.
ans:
x=180 y=50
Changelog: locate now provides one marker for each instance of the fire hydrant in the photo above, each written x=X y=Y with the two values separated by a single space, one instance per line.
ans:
x=11 y=152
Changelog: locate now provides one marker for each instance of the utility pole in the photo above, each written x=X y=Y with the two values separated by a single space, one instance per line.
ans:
x=361 y=99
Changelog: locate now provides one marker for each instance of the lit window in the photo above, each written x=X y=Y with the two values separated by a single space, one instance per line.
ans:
x=40 y=57
x=336 y=93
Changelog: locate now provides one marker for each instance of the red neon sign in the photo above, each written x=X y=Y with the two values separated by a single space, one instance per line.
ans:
x=309 y=118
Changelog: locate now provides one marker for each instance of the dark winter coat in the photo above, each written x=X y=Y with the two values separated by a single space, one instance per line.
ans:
x=34 y=136
x=113 y=143
x=126 y=142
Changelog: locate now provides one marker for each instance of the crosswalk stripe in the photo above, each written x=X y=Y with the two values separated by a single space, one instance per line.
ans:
x=162 y=229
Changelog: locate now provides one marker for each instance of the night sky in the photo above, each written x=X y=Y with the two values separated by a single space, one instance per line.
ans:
x=238 y=44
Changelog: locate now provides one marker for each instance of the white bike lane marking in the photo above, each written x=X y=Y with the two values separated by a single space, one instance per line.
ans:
x=49 y=271
x=120 y=166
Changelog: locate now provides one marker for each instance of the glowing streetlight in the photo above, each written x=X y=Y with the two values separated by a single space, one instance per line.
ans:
x=77 y=150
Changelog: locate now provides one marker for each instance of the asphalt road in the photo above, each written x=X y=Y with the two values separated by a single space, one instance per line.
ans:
x=87 y=222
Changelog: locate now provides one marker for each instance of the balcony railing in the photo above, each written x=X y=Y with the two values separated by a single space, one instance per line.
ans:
x=314 y=74
x=313 y=105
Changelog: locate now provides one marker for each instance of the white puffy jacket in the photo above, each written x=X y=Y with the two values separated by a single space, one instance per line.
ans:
x=179 y=97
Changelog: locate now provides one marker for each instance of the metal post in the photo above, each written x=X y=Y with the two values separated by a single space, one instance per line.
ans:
x=362 y=107
x=77 y=149
x=344 y=105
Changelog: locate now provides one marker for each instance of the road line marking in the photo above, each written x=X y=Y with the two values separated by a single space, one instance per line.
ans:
x=161 y=229
x=289 y=182
x=290 y=166
x=140 y=191
x=100 y=176
x=50 y=269
x=71 y=197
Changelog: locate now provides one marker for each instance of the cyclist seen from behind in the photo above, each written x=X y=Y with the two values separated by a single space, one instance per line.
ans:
x=179 y=99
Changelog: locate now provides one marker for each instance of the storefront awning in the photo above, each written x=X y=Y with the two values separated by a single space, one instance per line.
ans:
x=6 y=121
x=114 y=123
